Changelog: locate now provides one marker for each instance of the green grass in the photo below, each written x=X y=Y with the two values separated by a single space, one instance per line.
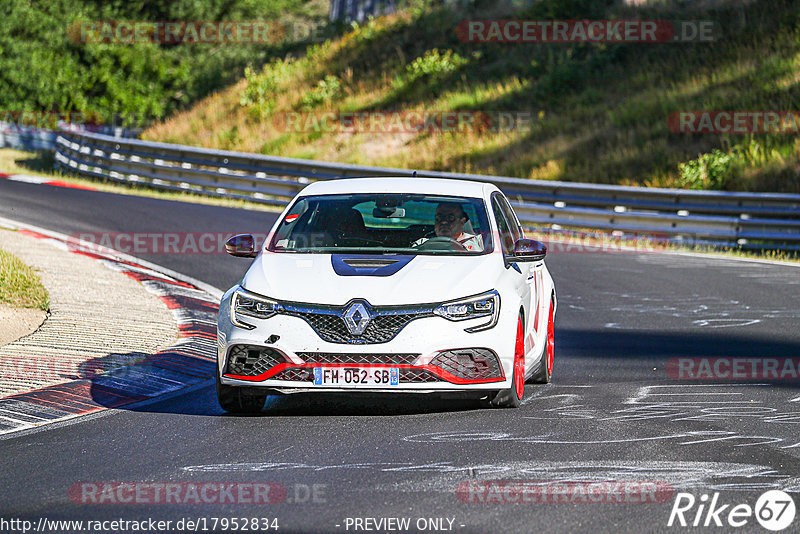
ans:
x=41 y=164
x=20 y=287
x=599 y=111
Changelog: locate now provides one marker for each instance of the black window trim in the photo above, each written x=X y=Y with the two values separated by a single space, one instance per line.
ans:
x=499 y=196
x=507 y=203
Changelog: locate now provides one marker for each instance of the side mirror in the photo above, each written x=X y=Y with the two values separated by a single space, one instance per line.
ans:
x=529 y=250
x=241 y=246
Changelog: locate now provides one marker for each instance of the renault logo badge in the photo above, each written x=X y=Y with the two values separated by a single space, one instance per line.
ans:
x=357 y=318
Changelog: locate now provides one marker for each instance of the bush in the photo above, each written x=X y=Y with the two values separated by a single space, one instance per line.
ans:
x=325 y=91
x=432 y=67
x=709 y=171
x=720 y=170
x=263 y=87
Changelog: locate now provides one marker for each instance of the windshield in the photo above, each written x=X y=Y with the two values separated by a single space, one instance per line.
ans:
x=384 y=223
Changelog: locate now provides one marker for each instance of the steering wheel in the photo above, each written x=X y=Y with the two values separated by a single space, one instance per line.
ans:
x=441 y=243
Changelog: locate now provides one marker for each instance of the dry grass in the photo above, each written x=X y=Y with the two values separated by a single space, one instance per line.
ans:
x=599 y=113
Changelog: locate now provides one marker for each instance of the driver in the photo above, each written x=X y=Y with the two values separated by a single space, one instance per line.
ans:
x=449 y=222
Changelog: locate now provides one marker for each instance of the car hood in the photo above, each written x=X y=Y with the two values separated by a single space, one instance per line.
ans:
x=312 y=278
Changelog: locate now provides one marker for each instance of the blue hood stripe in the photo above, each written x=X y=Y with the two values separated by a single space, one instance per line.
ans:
x=343 y=269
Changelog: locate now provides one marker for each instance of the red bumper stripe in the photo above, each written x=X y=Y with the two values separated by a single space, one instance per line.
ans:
x=433 y=369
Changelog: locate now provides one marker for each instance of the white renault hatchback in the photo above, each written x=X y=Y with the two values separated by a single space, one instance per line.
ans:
x=402 y=285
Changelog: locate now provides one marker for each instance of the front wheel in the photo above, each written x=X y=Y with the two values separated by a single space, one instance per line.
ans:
x=511 y=397
x=234 y=400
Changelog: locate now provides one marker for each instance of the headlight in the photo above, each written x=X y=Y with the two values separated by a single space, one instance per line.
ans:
x=483 y=305
x=246 y=304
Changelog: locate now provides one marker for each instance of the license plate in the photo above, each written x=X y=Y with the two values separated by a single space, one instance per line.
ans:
x=356 y=376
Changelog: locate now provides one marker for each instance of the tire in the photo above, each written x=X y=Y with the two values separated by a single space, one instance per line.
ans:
x=511 y=397
x=545 y=372
x=234 y=399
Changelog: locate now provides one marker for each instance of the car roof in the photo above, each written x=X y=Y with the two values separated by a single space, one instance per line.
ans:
x=427 y=186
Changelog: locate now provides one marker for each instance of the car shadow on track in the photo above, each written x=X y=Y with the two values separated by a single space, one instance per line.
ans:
x=364 y=404
x=204 y=402
x=143 y=388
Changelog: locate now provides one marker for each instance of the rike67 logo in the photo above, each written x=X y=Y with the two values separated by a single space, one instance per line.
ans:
x=774 y=510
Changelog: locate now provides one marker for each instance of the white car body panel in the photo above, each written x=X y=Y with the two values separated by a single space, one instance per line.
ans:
x=311 y=278
x=426 y=279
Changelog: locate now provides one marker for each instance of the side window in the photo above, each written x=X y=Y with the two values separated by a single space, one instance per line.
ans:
x=506 y=237
x=516 y=231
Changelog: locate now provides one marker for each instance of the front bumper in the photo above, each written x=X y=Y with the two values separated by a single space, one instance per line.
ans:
x=430 y=354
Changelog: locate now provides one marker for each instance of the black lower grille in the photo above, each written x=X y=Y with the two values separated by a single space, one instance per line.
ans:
x=471 y=364
x=244 y=360
x=358 y=359
x=416 y=376
x=295 y=375
x=407 y=376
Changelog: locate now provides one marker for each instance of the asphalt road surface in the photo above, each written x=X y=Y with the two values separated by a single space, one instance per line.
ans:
x=615 y=411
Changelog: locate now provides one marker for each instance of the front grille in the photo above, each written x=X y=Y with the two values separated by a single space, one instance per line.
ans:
x=416 y=376
x=358 y=359
x=244 y=360
x=384 y=327
x=385 y=324
x=470 y=364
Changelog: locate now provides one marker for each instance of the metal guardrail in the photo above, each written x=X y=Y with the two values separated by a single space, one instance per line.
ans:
x=26 y=140
x=22 y=137
x=769 y=220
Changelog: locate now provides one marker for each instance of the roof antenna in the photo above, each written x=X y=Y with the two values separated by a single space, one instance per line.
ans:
x=414 y=174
